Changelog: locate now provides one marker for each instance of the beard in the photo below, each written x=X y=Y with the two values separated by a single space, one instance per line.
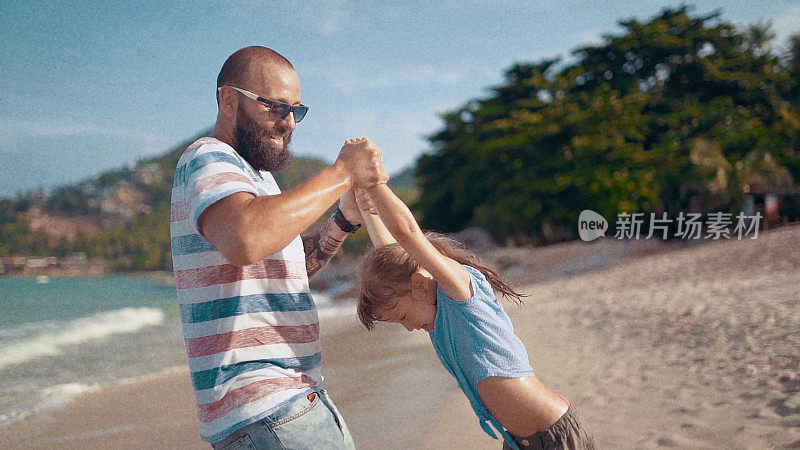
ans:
x=253 y=144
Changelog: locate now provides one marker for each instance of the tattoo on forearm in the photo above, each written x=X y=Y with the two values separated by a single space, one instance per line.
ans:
x=321 y=245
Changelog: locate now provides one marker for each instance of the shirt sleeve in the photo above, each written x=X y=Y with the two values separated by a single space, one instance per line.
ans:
x=213 y=173
x=495 y=349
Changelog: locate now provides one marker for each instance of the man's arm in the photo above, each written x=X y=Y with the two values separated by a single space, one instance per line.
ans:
x=321 y=245
x=246 y=228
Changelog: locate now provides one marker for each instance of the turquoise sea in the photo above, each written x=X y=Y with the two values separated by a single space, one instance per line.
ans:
x=70 y=336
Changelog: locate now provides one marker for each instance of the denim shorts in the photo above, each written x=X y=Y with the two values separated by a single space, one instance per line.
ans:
x=308 y=422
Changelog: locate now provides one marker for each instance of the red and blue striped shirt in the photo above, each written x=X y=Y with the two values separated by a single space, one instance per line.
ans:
x=252 y=332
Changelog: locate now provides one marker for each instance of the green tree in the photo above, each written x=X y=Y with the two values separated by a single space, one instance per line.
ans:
x=676 y=114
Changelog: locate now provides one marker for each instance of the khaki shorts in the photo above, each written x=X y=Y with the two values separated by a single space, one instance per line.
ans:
x=566 y=433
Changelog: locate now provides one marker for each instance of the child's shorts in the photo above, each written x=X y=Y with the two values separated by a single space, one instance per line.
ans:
x=566 y=433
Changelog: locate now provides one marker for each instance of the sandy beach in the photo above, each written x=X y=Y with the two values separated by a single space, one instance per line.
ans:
x=671 y=347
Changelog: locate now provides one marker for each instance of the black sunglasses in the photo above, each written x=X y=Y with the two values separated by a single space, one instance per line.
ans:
x=277 y=110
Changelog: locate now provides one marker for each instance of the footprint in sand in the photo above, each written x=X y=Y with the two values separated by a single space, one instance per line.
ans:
x=787 y=406
x=666 y=442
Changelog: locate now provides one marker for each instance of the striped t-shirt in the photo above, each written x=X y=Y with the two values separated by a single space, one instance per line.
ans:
x=252 y=332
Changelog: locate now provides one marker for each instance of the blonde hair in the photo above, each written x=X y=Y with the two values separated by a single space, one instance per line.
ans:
x=385 y=273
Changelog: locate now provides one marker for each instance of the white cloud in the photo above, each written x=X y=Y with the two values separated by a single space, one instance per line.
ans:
x=330 y=16
x=11 y=129
x=348 y=80
x=332 y=22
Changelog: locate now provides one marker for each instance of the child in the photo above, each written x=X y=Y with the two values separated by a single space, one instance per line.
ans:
x=430 y=283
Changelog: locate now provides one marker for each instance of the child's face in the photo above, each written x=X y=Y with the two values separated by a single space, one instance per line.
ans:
x=412 y=314
x=417 y=309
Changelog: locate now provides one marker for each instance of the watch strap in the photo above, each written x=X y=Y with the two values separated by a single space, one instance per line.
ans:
x=343 y=223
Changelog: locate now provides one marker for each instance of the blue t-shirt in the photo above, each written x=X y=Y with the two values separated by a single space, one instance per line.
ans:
x=475 y=339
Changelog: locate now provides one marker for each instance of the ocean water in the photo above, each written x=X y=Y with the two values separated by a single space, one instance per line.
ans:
x=71 y=336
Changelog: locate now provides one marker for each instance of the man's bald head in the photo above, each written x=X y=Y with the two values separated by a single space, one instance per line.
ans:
x=246 y=125
x=244 y=63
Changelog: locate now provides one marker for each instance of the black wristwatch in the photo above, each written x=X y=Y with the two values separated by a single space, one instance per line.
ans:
x=343 y=223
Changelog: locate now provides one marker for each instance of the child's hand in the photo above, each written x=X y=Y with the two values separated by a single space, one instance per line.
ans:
x=364 y=202
x=350 y=210
x=369 y=213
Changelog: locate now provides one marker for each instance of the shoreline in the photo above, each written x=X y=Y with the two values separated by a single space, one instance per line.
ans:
x=147 y=273
x=161 y=405
x=72 y=392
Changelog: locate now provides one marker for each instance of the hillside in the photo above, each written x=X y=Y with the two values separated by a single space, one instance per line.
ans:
x=115 y=221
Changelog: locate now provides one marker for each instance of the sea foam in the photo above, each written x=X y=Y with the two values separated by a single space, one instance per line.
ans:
x=86 y=329
x=59 y=395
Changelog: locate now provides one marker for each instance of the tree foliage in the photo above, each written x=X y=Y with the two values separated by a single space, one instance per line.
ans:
x=676 y=114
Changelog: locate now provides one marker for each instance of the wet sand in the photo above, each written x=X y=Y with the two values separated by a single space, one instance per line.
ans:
x=158 y=413
x=384 y=382
x=678 y=348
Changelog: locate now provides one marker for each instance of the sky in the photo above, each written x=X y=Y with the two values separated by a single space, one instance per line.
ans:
x=89 y=86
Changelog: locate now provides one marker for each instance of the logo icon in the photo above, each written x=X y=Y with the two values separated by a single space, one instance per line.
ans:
x=591 y=225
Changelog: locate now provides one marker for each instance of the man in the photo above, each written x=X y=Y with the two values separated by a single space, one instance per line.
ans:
x=241 y=269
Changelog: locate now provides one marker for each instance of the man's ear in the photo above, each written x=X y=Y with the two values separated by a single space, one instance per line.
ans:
x=227 y=101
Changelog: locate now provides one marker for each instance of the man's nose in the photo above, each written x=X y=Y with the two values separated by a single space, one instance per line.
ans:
x=289 y=121
x=286 y=124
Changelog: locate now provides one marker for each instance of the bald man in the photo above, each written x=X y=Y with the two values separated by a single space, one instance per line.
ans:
x=241 y=267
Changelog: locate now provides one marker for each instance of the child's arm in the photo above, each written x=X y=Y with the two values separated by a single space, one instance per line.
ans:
x=375 y=227
x=452 y=277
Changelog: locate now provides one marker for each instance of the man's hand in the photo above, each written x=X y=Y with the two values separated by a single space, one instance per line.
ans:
x=362 y=161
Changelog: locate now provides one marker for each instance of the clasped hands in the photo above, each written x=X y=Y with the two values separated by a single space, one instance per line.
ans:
x=361 y=159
